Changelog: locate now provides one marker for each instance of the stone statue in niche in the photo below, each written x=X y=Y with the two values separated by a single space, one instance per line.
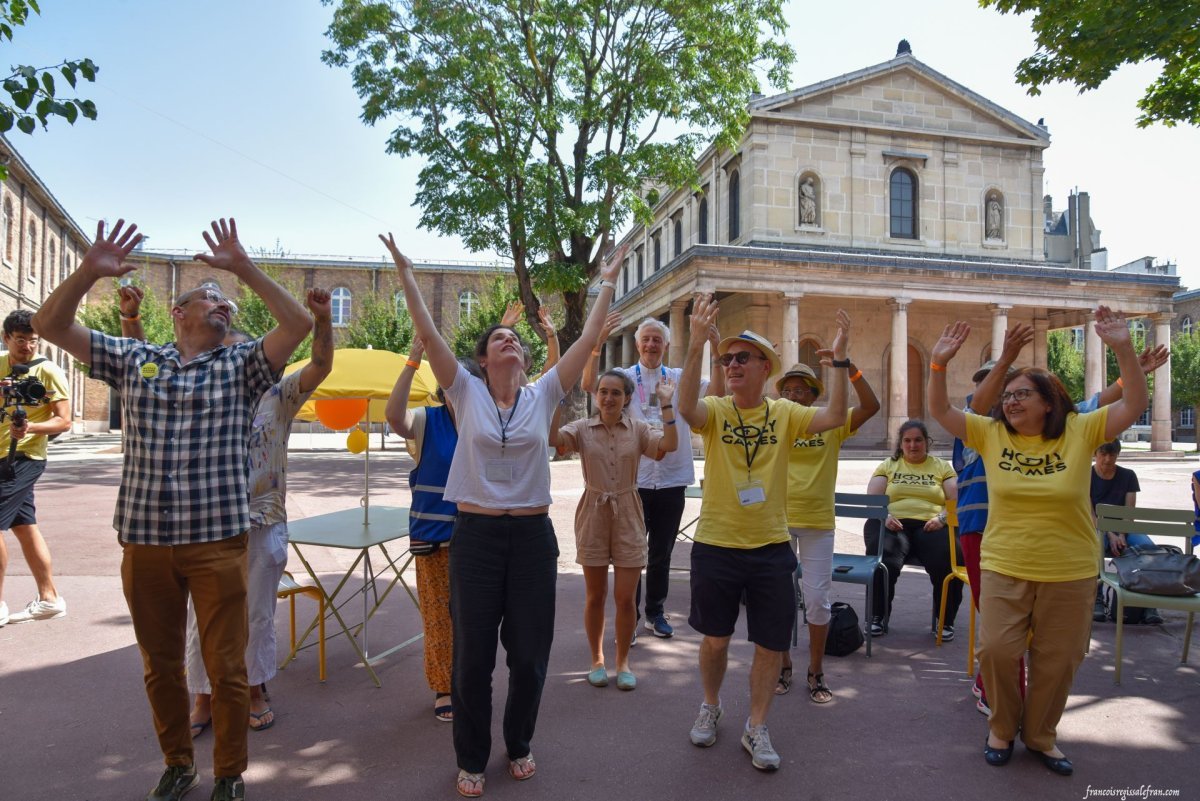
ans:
x=994 y=228
x=808 y=201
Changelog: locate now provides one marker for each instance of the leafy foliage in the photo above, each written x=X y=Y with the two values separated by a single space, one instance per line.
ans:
x=105 y=315
x=1185 y=371
x=1084 y=41
x=491 y=308
x=1065 y=362
x=539 y=122
x=32 y=91
x=1112 y=371
x=378 y=324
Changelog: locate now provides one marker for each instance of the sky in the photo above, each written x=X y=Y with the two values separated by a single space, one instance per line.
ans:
x=223 y=108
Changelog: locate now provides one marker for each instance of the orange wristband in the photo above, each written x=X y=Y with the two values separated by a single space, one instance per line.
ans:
x=413 y=365
x=857 y=375
x=132 y=319
x=937 y=368
x=1120 y=383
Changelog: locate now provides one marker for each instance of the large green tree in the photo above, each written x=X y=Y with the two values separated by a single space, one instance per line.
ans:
x=104 y=314
x=254 y=318
x=31 y=93
x=492 y=304
x=1185 y=372
x=541 y=122
x=379 y=324
x=1084 y=41
x=1065 y=361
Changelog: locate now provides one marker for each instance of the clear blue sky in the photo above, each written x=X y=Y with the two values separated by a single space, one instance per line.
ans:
x=224 y=108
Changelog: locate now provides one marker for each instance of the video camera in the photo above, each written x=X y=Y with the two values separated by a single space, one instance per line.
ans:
x=19 y=390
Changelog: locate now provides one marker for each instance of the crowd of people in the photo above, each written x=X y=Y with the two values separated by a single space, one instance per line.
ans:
x=202 y=523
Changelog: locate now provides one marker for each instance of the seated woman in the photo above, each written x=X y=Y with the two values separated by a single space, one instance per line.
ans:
x=918 y=486
x=609 y=525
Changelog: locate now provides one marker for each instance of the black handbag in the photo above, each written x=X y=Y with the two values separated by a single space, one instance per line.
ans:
x=844 y=637
x=1158 y=571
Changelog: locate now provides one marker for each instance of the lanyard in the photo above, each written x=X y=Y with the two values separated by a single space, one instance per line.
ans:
x=637 y=369
x=505 y=423
x=750 y=457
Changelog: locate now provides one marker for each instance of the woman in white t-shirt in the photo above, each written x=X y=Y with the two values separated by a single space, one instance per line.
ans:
x=504 y=555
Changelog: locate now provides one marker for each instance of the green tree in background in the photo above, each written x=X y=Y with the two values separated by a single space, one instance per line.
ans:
x=104 y=315
x=540 y=124
x=492 y=304
x=1112 y=371
x=1084 y=41
x=254 y=318
x=1065 y=361
x=31 y=92
x=1185 y=372
x=377 y=323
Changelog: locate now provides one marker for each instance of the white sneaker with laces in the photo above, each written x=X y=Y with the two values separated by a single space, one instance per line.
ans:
x=757 y=741
x=37 y=609
x=3 y=613
x=704 y=731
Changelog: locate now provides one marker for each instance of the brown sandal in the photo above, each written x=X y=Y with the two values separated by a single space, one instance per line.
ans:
x=784 y=685
x=817 y=690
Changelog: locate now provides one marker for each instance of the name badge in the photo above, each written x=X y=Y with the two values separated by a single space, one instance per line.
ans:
x=751 y=493
x=498 y=470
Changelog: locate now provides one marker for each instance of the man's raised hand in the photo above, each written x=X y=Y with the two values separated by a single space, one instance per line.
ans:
x=319 y=302
x=227 y=252
x=130 y=300
x=106 y=257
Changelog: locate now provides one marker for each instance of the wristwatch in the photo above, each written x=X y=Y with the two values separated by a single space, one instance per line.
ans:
x=844 y=363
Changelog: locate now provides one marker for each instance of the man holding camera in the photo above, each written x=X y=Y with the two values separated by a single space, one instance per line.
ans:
x=36 y=403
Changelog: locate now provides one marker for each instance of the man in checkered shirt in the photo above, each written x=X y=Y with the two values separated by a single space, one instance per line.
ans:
x=183 y=507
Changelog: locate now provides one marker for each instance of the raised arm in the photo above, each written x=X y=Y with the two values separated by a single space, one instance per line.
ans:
x=1150 y=360
x=988 y=391
x=441 y=358
x=129 y=310
x=552 y=349
x=293 y=322
x=704 y=314
x=571 y=365
x=670 y=438
x=321 y=362
x=944 y=350
x=868 y=404
x=398 y=415
x=1114 y=332
x=55 y=321
x=834 y=414
x=716 y=376
x=592 y=369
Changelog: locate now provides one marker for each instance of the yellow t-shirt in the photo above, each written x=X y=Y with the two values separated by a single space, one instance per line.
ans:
x=55 y=381
x=767 y=431
x=812 y=477
x=915 y=490
x=1039 y=511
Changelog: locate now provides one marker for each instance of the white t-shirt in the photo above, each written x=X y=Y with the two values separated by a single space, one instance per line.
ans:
x=487 y=471
x=677 y=468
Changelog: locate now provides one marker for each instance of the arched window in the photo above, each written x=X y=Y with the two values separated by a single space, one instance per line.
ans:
x=340 y=303
x=1185 y=325
x=7 y=231
x=658 y=251
x=33 y=252
x=735 y=206
x=51 y=260
x=678 y=236
x=399 y=303
x=625 y=271
x=1137 y=328
x=468 y=303
x=808 y=355
x=903 y=200
x=637 y=257
x=1187 y=417
x=703 y=221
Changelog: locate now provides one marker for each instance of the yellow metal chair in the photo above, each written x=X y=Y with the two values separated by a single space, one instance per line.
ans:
x=288 y=588
x=958 y=572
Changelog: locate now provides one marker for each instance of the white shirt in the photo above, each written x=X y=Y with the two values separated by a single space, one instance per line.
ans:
x=488 y=471
x=677 y=468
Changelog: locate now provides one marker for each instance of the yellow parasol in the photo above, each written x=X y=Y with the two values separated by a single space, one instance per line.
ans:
x=367 y=373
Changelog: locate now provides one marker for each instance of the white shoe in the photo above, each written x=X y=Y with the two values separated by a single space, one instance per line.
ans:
x=38 y=609
x=3 y=613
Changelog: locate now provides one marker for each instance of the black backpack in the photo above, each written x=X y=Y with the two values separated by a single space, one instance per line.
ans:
x=845 y=636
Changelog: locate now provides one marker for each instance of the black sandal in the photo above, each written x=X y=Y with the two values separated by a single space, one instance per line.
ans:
x=818 y=692
x=784 y=685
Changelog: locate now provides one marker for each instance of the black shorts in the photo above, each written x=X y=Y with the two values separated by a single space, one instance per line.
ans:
x=720 y=577
x=16 y=495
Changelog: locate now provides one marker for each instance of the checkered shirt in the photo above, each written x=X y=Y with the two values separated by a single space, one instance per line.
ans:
x=187 y=426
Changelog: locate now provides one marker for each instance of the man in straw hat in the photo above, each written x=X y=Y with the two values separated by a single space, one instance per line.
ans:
x=742 y=543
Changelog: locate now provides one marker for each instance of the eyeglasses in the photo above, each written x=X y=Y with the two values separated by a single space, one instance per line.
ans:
x=21 y=339
x=803 y=389
x=212 y=296
x=741 y=357
x=1016 y=395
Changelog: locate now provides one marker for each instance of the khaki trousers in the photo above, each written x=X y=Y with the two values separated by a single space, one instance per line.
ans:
x=1059 y=615
x=157 y=580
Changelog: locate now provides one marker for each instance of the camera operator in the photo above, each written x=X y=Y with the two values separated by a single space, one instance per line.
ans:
x=17 y=511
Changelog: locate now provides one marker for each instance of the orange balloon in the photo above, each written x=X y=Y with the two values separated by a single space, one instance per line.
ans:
x=341 y=413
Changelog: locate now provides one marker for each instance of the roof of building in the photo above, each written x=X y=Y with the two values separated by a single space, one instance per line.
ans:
x=23 y=168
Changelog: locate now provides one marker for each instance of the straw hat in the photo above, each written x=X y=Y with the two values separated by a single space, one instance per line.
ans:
x=757 y=341
x=801 y=371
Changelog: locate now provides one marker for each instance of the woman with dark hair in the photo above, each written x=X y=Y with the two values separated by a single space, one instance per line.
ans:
x=609 y=526
x=1040 y=554
x=918 y=486
x=503 y=554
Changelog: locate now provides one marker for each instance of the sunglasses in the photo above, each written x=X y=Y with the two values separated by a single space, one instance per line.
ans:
x=1017 y=394
x=741 y=357
x=212 y=296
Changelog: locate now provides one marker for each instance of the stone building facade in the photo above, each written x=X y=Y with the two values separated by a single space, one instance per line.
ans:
x=900 y=195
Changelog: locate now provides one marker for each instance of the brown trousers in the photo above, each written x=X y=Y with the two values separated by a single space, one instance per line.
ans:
x=433 y=589
x=157 y=580
x=1059 y=615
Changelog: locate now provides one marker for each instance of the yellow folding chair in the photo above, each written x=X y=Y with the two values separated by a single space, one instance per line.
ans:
x=958 y=572
x=288 y=588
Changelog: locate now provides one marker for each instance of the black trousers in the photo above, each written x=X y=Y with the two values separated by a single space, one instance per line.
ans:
x=502 y=578
x=663 y=510
x=932 y=548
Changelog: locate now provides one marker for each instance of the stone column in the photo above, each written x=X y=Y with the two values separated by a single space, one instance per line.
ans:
x=629 y=354
x=999 y=326
x=616 y=351
x=1160 y=411
x=790 y=344
x=679 y=333
x=897 y=400
x=1093 y=360
x=1041 y=328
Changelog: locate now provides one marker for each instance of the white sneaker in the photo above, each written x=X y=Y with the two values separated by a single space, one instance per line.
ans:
x=3 y=613
x=40 y=610
x=757 y=741
x=704 y=732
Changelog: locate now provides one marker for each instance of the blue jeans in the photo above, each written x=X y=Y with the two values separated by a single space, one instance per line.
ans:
x=1139 y=540
x=503 y=572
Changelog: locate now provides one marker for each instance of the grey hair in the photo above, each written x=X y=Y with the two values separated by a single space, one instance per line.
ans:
x=650 y=322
